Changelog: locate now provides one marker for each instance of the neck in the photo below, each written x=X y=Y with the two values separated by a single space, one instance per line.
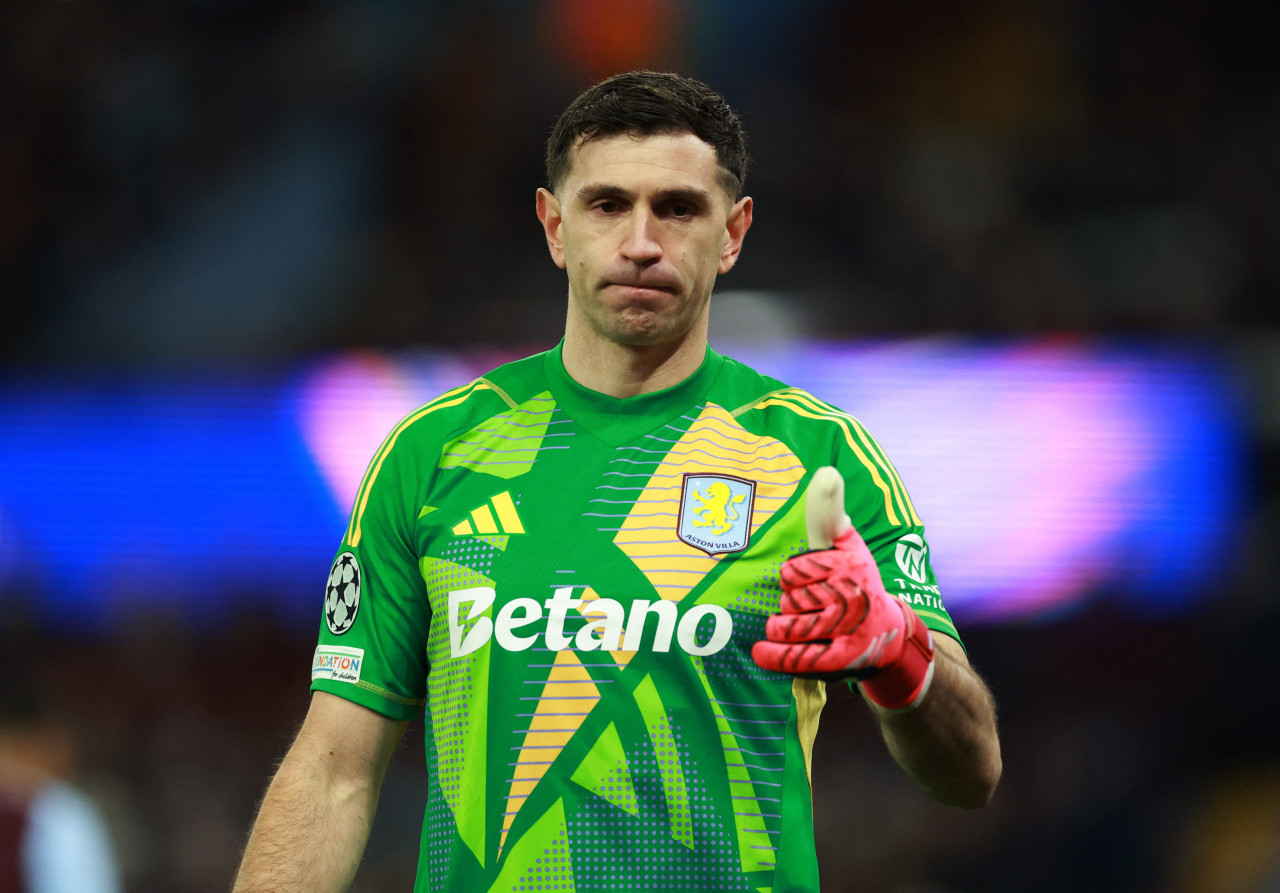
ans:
x=628 y=370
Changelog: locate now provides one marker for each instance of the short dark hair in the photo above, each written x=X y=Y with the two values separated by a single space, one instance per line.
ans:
x=643 y=103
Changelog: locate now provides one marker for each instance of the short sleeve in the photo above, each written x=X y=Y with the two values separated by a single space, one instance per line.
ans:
x=373 y=632
x=883 y=514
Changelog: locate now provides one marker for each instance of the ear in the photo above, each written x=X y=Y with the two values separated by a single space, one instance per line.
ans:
x=549 y=216
x=735 y=231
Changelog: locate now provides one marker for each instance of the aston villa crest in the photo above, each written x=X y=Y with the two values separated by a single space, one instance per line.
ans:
x=715 y=512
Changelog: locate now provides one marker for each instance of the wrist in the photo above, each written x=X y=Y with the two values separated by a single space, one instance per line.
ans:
x=903 y=684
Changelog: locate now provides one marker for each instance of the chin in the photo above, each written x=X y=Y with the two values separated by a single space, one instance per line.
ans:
x=633 y=326
x=645 y=334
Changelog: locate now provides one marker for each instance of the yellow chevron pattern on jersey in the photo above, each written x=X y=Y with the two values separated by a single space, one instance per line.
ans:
x=714 y=444
x=882 y=472
x=568 y=695
x=482 y=520
x=444 y=401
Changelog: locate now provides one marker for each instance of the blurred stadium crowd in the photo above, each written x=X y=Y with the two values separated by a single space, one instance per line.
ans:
x=244 y=182
x=238 y=179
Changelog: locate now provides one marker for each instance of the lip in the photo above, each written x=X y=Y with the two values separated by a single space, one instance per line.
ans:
x=641 y=291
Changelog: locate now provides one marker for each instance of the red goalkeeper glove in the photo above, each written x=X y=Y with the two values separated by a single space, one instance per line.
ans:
x=837 y=621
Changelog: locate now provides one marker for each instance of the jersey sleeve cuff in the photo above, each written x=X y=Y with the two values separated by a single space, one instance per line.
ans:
x=366 y=694
x=947 y=628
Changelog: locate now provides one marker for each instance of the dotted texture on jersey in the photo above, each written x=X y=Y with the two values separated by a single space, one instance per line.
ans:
x=472 y=553
x=605 y=773
x=663 y=736
x=755 y=751
x=614 y=850
x=458 y=733
x=543 y=854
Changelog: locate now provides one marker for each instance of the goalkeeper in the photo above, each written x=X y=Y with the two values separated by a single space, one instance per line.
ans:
x=612 y=578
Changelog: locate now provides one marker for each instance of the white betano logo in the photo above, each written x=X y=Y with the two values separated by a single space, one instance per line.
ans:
x=612 y=630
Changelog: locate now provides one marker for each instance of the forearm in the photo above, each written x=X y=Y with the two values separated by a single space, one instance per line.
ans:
x=836 y=620
x=310 y=832
x=948 y=744
x=314 y=821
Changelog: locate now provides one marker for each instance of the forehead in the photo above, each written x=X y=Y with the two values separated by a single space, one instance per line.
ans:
x=659 y=161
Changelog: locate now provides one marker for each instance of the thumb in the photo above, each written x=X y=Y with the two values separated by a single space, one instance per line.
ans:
x=824 y=514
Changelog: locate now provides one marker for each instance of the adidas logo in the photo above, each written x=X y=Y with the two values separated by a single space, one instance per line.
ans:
x=482 y=519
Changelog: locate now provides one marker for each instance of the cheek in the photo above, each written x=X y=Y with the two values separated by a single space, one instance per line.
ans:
x=701 y=264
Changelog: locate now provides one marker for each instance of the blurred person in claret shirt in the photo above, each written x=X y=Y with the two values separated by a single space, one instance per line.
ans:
x=53 y=838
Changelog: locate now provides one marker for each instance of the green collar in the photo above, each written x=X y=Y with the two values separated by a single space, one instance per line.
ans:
x=617 y=420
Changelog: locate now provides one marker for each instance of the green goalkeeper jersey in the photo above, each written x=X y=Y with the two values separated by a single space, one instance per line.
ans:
x=570 y=584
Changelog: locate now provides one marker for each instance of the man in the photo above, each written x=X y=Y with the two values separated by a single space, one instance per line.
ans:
x=571 y=560
x=53 y=838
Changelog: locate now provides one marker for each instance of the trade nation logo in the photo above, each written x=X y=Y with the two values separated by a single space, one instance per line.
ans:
x=911 y=553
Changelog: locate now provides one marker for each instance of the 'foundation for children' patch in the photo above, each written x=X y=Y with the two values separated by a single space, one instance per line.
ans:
x=337 y=662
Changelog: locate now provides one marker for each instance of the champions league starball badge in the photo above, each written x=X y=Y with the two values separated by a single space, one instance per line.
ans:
x=342 y=593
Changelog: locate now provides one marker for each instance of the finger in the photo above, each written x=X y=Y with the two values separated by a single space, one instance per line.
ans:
x=824 y=514
x=769 y=655
x=792 y=628
x=862 y=654
x=857 y=565
x=830 y=612
x=838 y=659
x=807 y=659
x=809 y=568
x=804 y=599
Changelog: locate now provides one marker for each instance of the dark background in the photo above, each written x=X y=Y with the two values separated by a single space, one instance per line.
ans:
x=209 y=185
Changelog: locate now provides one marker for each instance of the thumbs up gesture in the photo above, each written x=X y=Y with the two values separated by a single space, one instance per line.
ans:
x=836 y=621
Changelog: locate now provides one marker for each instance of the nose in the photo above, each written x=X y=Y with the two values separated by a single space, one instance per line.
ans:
x=640 y=243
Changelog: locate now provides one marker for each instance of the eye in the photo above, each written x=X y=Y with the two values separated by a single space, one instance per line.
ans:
x=608 y=206
x=682 y=210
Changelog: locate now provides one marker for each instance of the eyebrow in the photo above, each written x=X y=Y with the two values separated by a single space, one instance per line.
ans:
x=594 y=191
